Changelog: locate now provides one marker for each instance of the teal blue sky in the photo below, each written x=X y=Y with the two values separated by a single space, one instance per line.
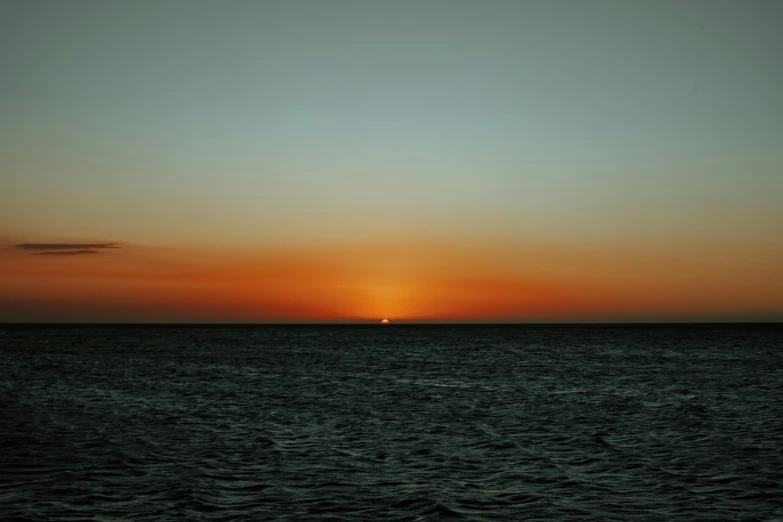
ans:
x=205 y=123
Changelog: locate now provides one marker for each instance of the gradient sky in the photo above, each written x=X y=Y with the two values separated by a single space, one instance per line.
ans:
x=422 y=160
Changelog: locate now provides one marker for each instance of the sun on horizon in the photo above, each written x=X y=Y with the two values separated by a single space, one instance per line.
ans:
x=384 y=321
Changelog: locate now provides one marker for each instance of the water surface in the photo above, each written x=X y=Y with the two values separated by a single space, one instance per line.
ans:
x=392 y=423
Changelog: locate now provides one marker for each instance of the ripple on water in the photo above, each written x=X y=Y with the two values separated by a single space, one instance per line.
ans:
x=336 y=423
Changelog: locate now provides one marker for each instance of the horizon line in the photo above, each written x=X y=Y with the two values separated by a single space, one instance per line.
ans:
x=685 y=322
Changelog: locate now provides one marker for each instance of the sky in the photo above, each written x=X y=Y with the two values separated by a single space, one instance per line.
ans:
x=346 y=161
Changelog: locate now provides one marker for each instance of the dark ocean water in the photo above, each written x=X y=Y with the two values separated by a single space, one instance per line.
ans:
x=392 y=423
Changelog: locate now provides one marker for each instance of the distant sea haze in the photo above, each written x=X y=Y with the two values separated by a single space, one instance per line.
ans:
x=484 y=423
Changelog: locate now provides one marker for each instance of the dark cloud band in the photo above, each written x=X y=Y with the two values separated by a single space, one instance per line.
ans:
x=64 y=249
x=64 y=246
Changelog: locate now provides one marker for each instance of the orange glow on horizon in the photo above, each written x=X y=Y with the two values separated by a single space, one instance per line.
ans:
x=411 y=282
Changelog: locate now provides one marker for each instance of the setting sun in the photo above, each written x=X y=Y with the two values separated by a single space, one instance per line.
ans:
x=385 y=321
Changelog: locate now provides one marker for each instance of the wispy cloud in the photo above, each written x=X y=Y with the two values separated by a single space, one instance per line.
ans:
x=64 y=249
x=64 y=246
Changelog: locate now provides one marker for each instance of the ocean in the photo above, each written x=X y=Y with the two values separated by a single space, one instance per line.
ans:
x=450 y=422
